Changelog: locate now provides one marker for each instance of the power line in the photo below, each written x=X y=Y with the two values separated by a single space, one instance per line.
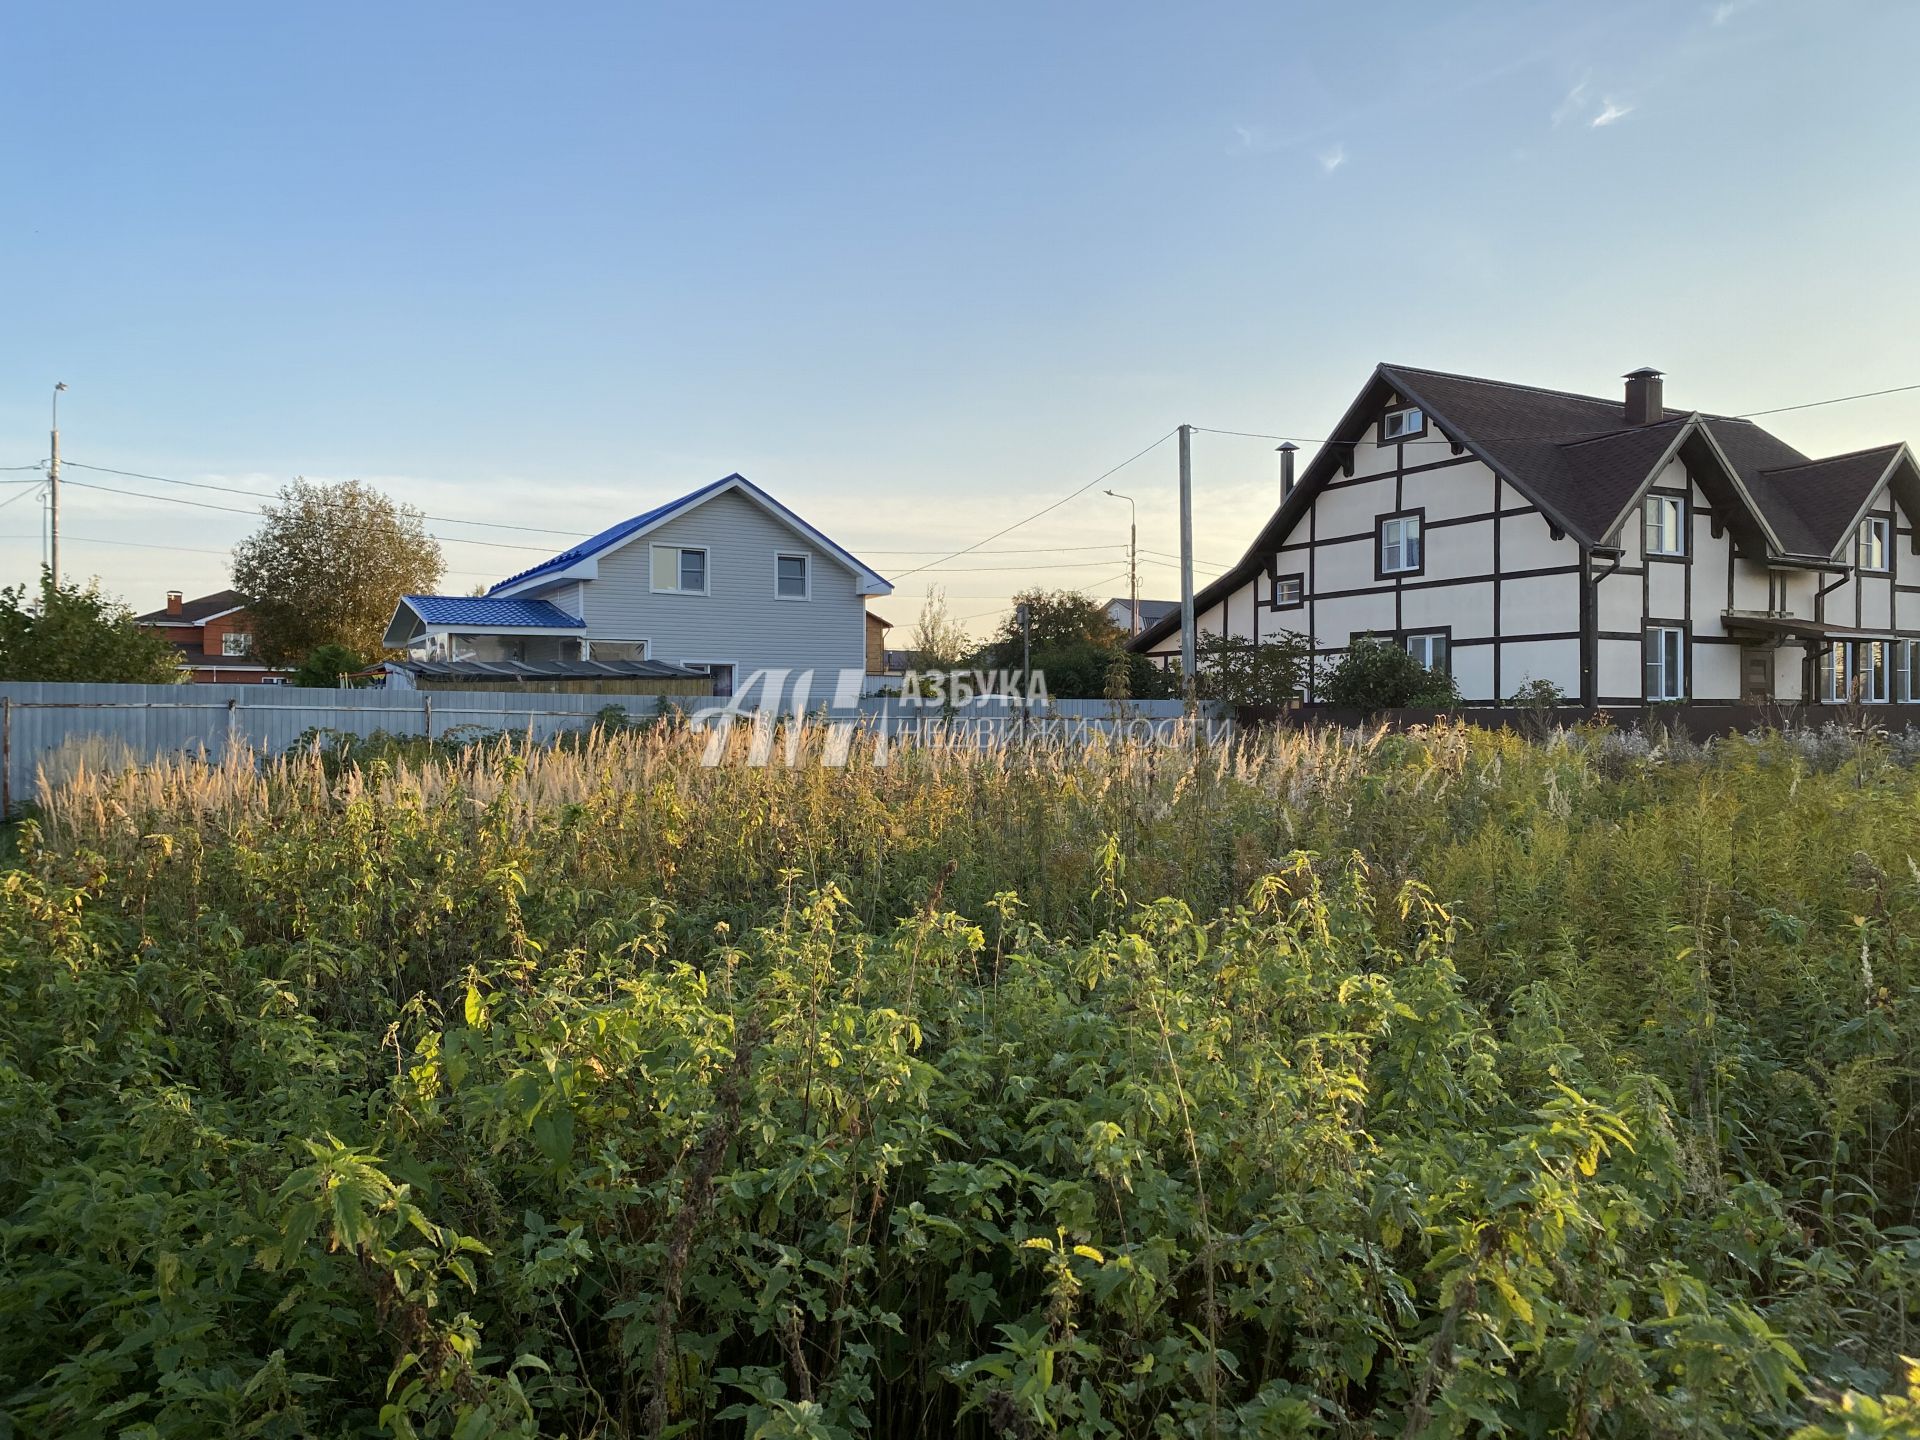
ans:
x=1037 y=550
x=1837 y=400
x=236 y=510
x=990 y=569
x=270 y=495
x=1044 y=510
x=131 y=544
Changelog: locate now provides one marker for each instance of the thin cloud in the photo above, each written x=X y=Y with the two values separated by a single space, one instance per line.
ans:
x=1727 y=9
x=1610 y=111
x=1332 y=159
x=1574 y=100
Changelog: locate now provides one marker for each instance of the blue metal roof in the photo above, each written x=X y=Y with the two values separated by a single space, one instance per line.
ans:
x=488 y=613
x=613 y=535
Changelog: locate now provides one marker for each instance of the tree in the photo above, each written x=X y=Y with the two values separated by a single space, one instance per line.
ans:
x=1075 y=645
x=329 y=566
x=76 y=633
x=324 y=667
x=1057 y=620
x=1236 y=670
x=1379 y=675
x=939 y=643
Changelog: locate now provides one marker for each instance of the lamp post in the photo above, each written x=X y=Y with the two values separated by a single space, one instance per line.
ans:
x=1133 y=556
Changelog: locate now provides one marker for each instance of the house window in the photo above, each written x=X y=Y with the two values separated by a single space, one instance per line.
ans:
x=1399 y=424
x=1289 y=592
x=680 y=569
x=1870 y=682
x=1906 y=671
x=1400 y=548
x=1834 y=672
x=1872 y=544
x=236 y=642
x=1666 y=657
x=1429 y=649
x=617 y=650
x=1665 y=522
x=792 y=577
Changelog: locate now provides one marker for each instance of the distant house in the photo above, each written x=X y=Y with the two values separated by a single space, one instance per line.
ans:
x=1120 y=611
x=725 y=581
x=877 y=629
x=1622 y=551
x=214 y=635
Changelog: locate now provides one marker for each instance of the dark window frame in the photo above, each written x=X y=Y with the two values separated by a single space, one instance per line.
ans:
x=1381 y=430
x=1444 y=632
x=1685 y=552
x=1300 y=578
x=1652 y=623
x=1885 y=567
x=1380 y=572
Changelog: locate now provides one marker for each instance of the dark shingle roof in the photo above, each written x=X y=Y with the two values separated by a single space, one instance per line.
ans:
x=1825 y=496
x=192 y=612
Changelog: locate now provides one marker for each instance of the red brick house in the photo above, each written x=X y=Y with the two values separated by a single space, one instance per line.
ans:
x=215 y=637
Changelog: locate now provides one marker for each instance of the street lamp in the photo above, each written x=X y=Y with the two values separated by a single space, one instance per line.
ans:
x=1133 y=555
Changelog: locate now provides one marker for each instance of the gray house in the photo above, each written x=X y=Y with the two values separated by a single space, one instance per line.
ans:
x=724 y=580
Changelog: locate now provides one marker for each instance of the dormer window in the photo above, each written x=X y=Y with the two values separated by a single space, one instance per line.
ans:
x=1873 y=543
x=1666 y=530
x=1401 y=424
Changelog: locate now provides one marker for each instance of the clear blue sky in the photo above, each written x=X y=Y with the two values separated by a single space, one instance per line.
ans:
x=916 y=269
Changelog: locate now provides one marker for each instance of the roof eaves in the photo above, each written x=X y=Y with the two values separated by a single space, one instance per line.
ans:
x=1897 y=452
x=1555 y=516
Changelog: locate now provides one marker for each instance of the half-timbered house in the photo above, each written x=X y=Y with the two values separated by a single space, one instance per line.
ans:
x=1618 y=549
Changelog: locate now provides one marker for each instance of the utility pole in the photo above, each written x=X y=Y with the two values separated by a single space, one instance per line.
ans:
x=1133 y=557
x=1187 y=689
x=1026 y=665
x=53 y=491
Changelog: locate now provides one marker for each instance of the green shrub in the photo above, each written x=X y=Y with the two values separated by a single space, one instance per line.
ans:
x=1380 y=675
x=1396 y=1084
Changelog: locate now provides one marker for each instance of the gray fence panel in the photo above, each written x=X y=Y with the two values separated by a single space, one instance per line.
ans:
x=58 y=726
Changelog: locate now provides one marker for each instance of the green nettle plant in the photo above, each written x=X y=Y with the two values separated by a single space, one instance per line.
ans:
x=1375 y=1085
x=1379 y=675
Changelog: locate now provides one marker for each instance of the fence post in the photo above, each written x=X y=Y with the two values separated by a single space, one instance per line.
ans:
x=426 y=701
x=233 y=723
x=6 y=758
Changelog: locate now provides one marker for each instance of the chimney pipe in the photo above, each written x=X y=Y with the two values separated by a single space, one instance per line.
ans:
x=1286 y=469
x=173 y=602
x=1644 y=398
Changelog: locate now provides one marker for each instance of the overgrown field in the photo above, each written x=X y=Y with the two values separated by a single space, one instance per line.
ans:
x=1448 y=1084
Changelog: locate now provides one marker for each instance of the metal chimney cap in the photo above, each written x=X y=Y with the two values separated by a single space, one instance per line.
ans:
x=1288 y=446
x=1645 y=372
